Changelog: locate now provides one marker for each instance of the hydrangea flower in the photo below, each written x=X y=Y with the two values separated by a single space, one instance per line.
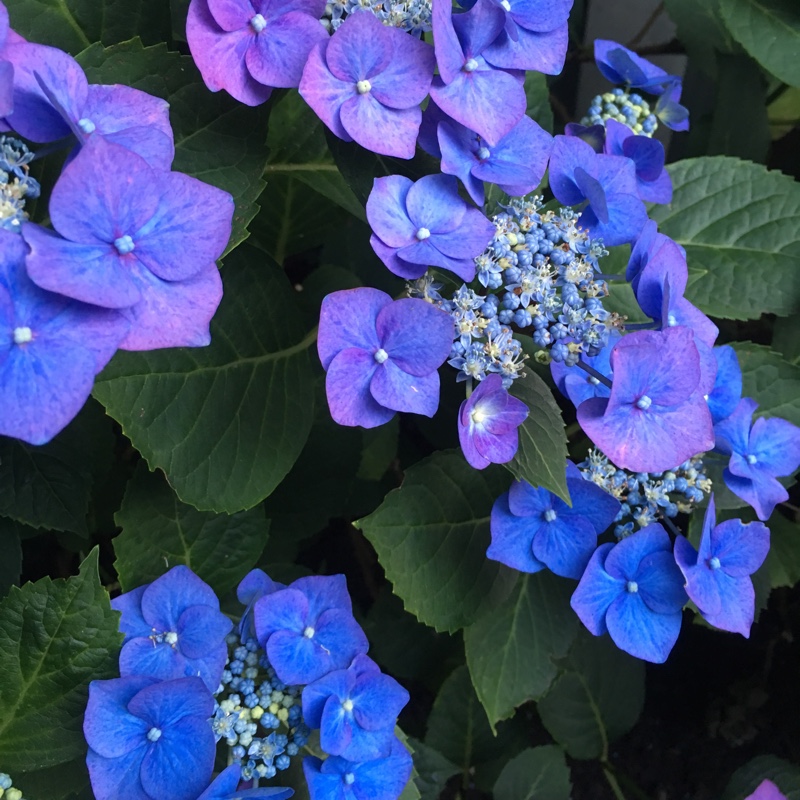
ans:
x=623 y=66
x=533 y=528
x=50 y=350
x=653 y=182
x=53 y=99
x=758 y=456
x=149 y=739
x=6 y=69
x=488 y=423
x=255 y=585
x=633 y=590
x=516 y=163
x=422 y=224
x=656 y=416
x=248 y=46
x=580 y=385
x=366 y=84
x=225 y=787
x=336 y=778
x=727 y=391
x=381 y=355
x=670 y=111
x=173 y=628
x=146 y=244
x=487 y=100
x=308 y=628
x=607 y=184
x=766 y=790
x=718 y=575
x=355 y=709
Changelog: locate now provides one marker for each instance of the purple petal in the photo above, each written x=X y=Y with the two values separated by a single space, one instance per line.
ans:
x=596 y=592
x=231 y=15
x=348 y=389
x=427 y=253
x=348 y=319
x=324 y=92
x=727 y=386
x=386 y=211
x=497 y=448
x=107 y=710
x=466 y=438
x=388 y=131
x=478 y=27
x=640 y=632
x=361 y=49
x=665 y=262
x=533 y=50
x=682 y=312
x=457 y=148
x=766 y=790
x=776 y=445
x=397 y=390
x=433 y=203
x=733 y=433
x=594 y=193
x=626 y=216
x=406 y=80
x=569 y=153
x=512 y=538
x=469 y=239
x=449 y=53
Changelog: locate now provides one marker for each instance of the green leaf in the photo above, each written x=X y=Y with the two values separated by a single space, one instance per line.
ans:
x=431 y=536
x=433 y=770
x=541 y=458
x=10 y=555
x=770 y=31
x=740 y=225
x=225 y=422
x=770 y=380
x=538 y=95
x=69 y=781
x=217 y=139
x=55 y=637
x=786 y=338
x=511 y=652
x=783 y=559
x=746 y=779
x=540 y=772
x=159 y=532
x=73 y=25
x=598 y=698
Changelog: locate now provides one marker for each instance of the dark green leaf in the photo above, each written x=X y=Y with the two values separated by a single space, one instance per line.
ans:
x=68 y=781
x=770 y=31
x=783 y=559
x=10 y=555
x=432 y=768
x=770 y=380
x=746 y=779
x=740 y=225
x=538 y=94
x=178 y=12
x=598 y=698
x=431 y=536
x=159 y=532
x=55 y=637
x=542 y=455
x=217 y=139
x=226 y=422
x=73 y=25
x=511 y=652
x=786 y=338
x=540 y=772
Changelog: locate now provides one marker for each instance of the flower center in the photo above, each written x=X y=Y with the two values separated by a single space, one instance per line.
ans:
x=484 y=153
x=714 y=563
x=477 y=416
x=362 y=87
x=591 y=379
x=550 y=515
x=423 y=234
x=380 y=355
x=632 y=587
x=506 y=5
x=86 y=125
x=644 y=402
x=751 y=459
x=348 y=705
x=671 y=321
x=309 y=632
x=22 y=335
x=124 y=245
x=349 y=778
x=154 y=734
x=470 y=66
x=258 y=23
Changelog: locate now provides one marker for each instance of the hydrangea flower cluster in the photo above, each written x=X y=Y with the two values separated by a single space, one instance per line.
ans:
x=296 y=662
x=130 y=260
x=413 y=16
x=7 y=789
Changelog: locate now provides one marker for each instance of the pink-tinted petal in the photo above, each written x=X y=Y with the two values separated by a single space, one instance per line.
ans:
x=361 y=49
x=406 y=79
x=388 y=131
x=348 y=388
x=386 y=211
x=231 y=15
x=323 y=91
x=449 y=54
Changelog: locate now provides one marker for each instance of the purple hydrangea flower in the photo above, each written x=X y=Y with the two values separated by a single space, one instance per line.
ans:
x=534 y=37
x=623 y=66
x=6 y=69
x=337 y=778
x=355 y=709
x=533 y=528
x=727 y=391
x=718 y=576
x=766 y=790
x=677 y=310
x=146 y=244
x=653 y=182
x=488 y=424
x=308 y=628
x=759 y=456
x=425 y=224
x=53 y=99
x=487 y=100
x=50 y=350
x=606 y=183
x=248 y=46
x=656 y=416
x=381 y=355
x=225 y=787
x=173 y=628
x=516 y=164
x=366 y=84
x=593 y=135
x=149 y=739
x=633 y=590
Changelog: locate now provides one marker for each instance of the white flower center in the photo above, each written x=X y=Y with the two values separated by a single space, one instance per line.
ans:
x=362 y=87
x=258 y=23
x=22 y=335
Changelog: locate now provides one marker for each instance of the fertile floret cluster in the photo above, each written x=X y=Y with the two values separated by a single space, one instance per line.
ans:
x=630 y=109
x=16 y=185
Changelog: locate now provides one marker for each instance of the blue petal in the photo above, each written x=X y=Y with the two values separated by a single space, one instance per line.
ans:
x=640 y=632
x=735 y=609
x=109 y=728
x=117 y=778
x=596 y=591
x=512 y=538
x=728 y=384
x=397 y=390
x=661 y=583
x=565 y=545
x=624 y=560
x=202 y=629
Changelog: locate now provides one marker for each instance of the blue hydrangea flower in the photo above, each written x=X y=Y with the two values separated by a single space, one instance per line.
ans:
x=669 y=110
x=173 y=627
x=758 y=456
x=149 y=739
x=255 y=585
x=337 y=778
x=422 y=224
x=50 y=350
x=308 y=628
x=533 y=528
x=488 y=423
x=381 y=355
x=579 y=385
x=653 y=182
x=718 y=575
x=633 y=590
x=225 y=787
x=356 y=710
x=727 y=391
x=622 y=66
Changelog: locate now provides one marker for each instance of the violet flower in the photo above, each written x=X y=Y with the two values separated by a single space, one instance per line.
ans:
x=623 y=66
x=6 y=69
x=248 y=46
x=727 y=391
x=766 y=790
x=422 y=224
x=488 y=424
x=366 y=84
x=381 y=355
x=718 y=575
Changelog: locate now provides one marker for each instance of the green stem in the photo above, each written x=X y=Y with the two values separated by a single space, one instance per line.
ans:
x=612 y=782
